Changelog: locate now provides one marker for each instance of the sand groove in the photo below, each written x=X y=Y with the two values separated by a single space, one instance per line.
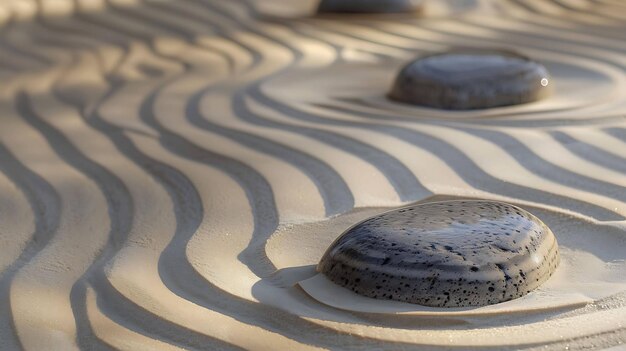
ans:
x=156 y=156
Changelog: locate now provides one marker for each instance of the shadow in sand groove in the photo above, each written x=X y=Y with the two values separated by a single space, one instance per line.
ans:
x=45 y=205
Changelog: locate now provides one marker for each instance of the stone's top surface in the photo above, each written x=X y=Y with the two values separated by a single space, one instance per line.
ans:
x=466 y=66
x=369 y=6
x=452 y=253
x=470 y=79
x=464 y=233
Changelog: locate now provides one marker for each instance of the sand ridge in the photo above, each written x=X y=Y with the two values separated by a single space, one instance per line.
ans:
x=161 y=161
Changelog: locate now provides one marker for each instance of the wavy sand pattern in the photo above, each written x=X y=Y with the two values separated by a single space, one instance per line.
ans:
x=168 y=169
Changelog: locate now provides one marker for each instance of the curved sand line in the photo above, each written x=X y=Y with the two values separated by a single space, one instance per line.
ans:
x=155 y=154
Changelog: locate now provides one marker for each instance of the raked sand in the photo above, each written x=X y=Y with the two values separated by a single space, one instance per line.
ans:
x=171 y=171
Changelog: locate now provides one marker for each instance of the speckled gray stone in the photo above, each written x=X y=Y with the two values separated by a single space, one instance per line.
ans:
x=471 y=79
x=369 y=6
x=444 y=254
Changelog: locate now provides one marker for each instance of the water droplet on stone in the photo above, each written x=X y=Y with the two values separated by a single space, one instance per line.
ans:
x=471 y=79
x=444 y=254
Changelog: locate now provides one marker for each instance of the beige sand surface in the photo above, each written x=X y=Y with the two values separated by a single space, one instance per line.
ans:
x=172 y=170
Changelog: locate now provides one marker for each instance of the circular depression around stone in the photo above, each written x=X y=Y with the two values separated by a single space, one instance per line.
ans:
x=444 y=254
x=464 y=80
x=369 y=6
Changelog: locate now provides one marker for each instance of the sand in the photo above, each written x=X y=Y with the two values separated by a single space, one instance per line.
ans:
x=171 y=171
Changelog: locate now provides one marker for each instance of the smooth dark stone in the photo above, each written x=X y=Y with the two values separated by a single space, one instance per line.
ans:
x=444 y=254
x=369 y=6
x=471 y=79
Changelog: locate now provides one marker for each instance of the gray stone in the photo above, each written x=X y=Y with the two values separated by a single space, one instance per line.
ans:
x=471 y=79
x=369 y=6
x=444 y=254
